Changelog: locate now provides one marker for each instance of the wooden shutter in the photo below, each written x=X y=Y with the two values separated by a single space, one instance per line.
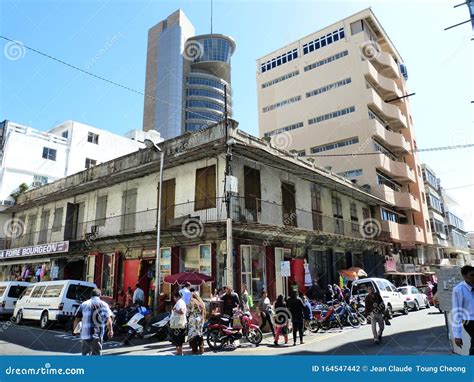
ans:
x=316 y=209
x=205 y=190
x=252 y=189
x=289 y=204
x=167 y=202
x=100 y=211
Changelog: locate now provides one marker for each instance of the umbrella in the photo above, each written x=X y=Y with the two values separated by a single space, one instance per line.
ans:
x=353 y=273
x=359 y=271
x=193 y=278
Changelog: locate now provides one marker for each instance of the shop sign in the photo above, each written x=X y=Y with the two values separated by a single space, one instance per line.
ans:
x=35 y=250
x=149 y=253
x=285 y=269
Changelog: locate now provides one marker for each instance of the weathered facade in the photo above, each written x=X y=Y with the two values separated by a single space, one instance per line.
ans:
x=283 y=208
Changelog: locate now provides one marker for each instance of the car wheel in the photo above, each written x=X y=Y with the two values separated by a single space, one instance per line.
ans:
x=44 y=321
x=405 y=308
x=390 y=311
x=19 y=318
x=417 y=306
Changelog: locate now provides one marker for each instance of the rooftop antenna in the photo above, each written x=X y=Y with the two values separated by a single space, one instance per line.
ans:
x=211 y=16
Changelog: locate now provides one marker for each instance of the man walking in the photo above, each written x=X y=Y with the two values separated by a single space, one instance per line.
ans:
x=138 y=295
x=95 y=315
x=375 y=308
x=463 y=307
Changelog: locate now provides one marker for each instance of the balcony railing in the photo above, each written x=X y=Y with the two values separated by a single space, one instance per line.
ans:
x=242 y=210
x=391 y=113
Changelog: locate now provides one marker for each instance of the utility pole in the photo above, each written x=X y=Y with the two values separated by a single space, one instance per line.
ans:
x=228 y=172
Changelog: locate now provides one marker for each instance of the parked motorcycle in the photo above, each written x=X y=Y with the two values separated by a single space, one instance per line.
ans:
x=359 y=309
x=347 y=315
x=222 y=330
x=157 y=326
x=326 y=317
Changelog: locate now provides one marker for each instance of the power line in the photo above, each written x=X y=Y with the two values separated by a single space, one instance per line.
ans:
x=455 y=188
x=99 y=77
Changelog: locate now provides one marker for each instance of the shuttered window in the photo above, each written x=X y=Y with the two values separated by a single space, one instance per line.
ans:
x=129 y=208
x=58 y=219
x=289 y=204
x=252 y=189
x=316 y=208
x=101 y=210
x=205 y=192
x=167 y=202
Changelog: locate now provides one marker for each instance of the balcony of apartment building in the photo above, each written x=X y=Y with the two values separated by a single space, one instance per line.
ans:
x=404 y=232
x=390 y=113
x=400 y=171
x=268 y=217
x=393 y=140
x=385 y=65
x=401 y=199
x=387 y=87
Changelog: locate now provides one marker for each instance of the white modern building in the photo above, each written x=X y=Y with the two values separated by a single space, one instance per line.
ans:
x=32 y=157
x=187 y=77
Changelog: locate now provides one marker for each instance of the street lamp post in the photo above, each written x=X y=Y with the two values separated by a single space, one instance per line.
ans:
x=150 y=143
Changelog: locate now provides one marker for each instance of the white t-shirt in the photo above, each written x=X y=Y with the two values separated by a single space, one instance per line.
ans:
x=186 y=295
x=180 y=305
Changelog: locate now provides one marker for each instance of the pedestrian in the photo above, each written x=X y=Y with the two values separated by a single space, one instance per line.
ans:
x=138 y=295
x=129 y=298
x=178 y=323
x=95 y=317
x=375 y=308
x=307 y=311
x=186 y=293
x=338 y=295
x=246 y=301
x=282 y=317
x=330 y=294
x=120 y=299
x=196 y=318
x=230 y=302
x=266 y=312
x=463 y=308
x=296 y=307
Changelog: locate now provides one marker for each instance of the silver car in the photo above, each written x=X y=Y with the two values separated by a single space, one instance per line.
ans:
x=414 y=298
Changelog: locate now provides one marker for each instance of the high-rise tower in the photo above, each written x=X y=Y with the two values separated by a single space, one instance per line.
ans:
x=185 y=77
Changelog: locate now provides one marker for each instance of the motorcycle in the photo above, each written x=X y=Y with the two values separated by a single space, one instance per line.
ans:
x=325 y=317
x=220 y=331
x=348 y=315
x=359 y=309
x=142 y=325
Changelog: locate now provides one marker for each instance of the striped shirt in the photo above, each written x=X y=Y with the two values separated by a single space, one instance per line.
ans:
x=94 y=314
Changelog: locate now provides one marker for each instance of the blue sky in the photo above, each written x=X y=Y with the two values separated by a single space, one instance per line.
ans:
x=109 y=39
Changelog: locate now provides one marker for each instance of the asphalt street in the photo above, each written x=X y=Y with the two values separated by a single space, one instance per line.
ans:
x=418 y=333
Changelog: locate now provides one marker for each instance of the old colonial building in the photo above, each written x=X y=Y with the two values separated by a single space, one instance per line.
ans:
x=100 y=224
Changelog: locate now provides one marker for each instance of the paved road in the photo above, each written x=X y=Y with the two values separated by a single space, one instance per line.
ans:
x=419 y=333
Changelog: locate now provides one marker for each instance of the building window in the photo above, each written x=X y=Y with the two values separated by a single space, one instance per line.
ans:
x=205 y=188
x=326 y=60
x=280 y=60
x=351 y=173
x=335 y=145
x=427 y=225
x=58 y=219
x=334 y=114
x=100 y=210
x=90 y=162
x=357 y=27
x=252 y=189
x=198 y=259
x=253 y=269
x=281 y=103
x=323 y=41
x=316 y=207
x=423 y=197
x=389 y=182
x=39 y=180
x=337 y=214
x=434 y=202
x=49 y=153
x=65 y=134
x=328 y=87
x=280 y=79
x=288 y=196
x=388 y=215
x=283 y=129
x=93 y=138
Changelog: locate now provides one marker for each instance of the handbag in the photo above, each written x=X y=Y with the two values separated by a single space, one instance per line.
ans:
x=178 y=321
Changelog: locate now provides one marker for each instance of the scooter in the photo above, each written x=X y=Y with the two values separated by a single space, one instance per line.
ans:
x=158 y=326
x=220 y=332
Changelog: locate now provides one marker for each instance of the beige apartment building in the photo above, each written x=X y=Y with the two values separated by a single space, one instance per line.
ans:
x=341 y=90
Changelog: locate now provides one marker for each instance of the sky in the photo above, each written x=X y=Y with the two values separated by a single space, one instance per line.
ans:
x=109 y=37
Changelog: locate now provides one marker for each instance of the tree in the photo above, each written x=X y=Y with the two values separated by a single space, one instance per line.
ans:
x=22 y=188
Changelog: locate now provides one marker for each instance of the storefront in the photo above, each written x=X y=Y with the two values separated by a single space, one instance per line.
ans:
x=103 y=270
x=33 y=263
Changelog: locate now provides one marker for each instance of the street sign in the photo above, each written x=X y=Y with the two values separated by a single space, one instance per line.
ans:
x=285 y=269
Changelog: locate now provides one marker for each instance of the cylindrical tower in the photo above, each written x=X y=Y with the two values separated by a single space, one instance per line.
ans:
x=208 y=73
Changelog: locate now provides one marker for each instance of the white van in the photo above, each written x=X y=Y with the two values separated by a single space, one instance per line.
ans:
x=52 y=301
x=10 y=291
x=393 y=299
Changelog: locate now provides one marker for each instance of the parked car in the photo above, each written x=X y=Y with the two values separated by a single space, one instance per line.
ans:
x=392 y=298
x=10 y=291
x=414 y=298
x=52 y=301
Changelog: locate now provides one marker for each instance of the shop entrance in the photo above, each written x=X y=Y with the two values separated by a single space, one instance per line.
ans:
x=74 y=270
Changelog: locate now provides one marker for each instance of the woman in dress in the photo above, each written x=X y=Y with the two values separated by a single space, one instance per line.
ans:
x=197 y=316
x=178 y=323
